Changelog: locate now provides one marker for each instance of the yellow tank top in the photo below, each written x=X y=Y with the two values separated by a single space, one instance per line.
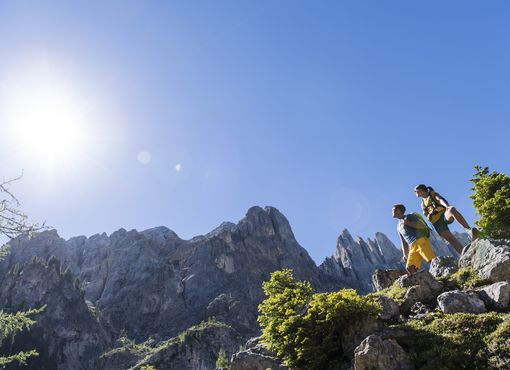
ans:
x=432 y=208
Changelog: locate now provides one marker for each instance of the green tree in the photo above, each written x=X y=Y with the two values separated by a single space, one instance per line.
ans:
x=12 y=323
x=491 y=199
x=305 y=328
x=222 y=359
x=13 y=223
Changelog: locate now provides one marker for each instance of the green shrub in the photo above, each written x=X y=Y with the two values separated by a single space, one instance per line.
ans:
x=498 y=345
x=458 y=341
x=304 y=328
x=464 y=278
x=491 y=199
x=222 y=359
x=11 y=324
x=394 y=292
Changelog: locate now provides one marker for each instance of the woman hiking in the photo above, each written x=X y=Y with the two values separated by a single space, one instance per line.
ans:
x=441 y=214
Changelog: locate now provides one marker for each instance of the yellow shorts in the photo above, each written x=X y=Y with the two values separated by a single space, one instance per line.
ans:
x=418 y=251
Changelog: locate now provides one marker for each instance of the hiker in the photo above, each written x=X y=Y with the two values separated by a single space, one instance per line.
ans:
x=414 y=238
x=441 y=214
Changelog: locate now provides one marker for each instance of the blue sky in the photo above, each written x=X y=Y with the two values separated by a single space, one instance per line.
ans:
x=191 y=112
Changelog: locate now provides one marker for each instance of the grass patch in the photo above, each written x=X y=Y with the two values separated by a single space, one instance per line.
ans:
x=458 y=341
x=464 y=278
x=498 y=344
x=394 y=292
x=210 y=323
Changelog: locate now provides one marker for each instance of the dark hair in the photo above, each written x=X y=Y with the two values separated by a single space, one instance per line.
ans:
x=400 y=207
x=423 y=187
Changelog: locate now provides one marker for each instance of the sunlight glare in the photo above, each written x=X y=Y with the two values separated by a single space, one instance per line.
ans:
x=45 y=121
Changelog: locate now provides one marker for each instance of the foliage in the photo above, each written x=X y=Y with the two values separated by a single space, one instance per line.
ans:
x=143 y=348
x=222 y=359
x=10 y=324
x=13 y=221
x=464 y=278
x=458 y=340
x=4 y=251
x=394 y=292
x=305 y=328
x=498 y=344
x=147 y=367
x=211 y=322
x=491 y=199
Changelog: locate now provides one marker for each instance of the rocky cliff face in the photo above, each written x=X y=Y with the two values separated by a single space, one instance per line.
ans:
x=68 y=334
x=153 y=283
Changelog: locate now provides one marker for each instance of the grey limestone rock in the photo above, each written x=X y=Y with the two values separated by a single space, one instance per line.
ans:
x=197 y=348
x=490 y=258
x=421 y=287
x=390 y=309
x=67 y=334
x=443 y=266
x=457 y=301
x=355 y=260
x=383 y=279
x=378 y=353
x=496 y=295
x=256 y=357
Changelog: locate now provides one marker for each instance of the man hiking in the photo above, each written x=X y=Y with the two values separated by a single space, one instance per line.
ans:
x=441 y=214
x=414 y=233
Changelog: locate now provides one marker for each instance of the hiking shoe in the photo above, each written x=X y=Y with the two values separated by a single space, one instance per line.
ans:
x=473 y=233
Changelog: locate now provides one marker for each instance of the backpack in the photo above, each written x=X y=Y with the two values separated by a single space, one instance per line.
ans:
x=436 y=206
x=422 y=221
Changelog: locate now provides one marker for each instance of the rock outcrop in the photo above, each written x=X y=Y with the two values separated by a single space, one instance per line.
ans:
x=355 y=260
x=256 y=357
x=490 y=259
x=68 y=333
x=377 y=353
x=457 y=301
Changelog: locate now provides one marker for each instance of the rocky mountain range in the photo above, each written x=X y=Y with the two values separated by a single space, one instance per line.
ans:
x=153 y=284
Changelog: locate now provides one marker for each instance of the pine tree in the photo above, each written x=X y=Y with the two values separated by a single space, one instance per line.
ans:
x=13 y=222
x=491 y=199
x=222 y=361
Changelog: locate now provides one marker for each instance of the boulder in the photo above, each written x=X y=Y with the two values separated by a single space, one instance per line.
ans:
x=357 y=330
x=421 y=278
x=496 y=295
x=457 y=301
x=422 y=287
x=256 y=357
x=390 y=308
x=490 y=259
x=376 y=353
x=419 y=310
x=383 y=279
x=443 y=266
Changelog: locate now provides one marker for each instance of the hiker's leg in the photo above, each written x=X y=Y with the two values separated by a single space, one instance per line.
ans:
x=452 y=240
x=452 y=213
x=411 y=269
x=425 y=249
x=413 y=259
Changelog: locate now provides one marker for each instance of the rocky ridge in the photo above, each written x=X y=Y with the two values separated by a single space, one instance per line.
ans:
x=153 y=283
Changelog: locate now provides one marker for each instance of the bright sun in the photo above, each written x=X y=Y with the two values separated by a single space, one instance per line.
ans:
x=45 y=120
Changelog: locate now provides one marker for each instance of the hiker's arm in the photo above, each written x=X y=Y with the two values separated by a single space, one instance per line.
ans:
x=405 y=247
x=414 y=224
x=442 y=201
x=424 y=209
